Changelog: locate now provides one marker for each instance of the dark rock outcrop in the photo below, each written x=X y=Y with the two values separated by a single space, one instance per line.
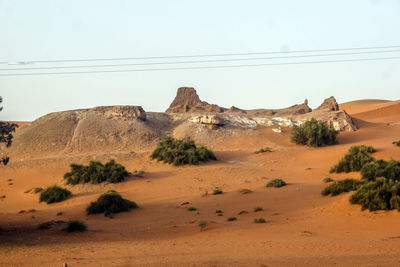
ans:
x=187 y=100
x=121 y=112
x=329 y=104
x=235 y=110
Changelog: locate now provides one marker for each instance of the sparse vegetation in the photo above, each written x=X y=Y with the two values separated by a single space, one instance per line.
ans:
x=245 y=191
x=34 y=190
x=397 y=143
x=314 y=133
x=256 y=209
x=328 y=180
x=263 y=150
x=76 y=226
x=259 y=220
x=96 y=172
x=54 y=194
x=276 y=183
x=218 y=211
x=381 y=194
x=355 y=159
x=243 y=212
x=342 y=186
x=229 y=219
x=217 y=191
x=191 y=208
x=180 y=152
x=110 y=203
x=202 y=225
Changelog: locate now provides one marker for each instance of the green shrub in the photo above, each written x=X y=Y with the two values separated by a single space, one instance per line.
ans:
x=342 y=186
x=110 y=203
x=217 y=191
x=314 y=133
x=381 y=194
x=218 y=211
x=354 y=159
x=179 y=152
x=263 y=150
x=381 y=168
x=328 y=180
x=276 y=183
x=96 y=172
x=258 y=209
x=259 y=220
x=76 y=226
x=54 y=194
x=397 y=143
x=243 y=212
x=229 y=219
x=191 y=208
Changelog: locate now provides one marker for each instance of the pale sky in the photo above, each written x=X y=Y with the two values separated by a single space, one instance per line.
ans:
x=76 y=29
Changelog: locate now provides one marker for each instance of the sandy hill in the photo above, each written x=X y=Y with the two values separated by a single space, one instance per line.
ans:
x=358 y=106
x=131 y=129
x=374 y=110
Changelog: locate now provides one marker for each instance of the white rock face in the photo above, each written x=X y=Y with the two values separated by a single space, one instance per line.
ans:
x=340 y=119
x=277 y=130
x=277 y=121
x=207 y=119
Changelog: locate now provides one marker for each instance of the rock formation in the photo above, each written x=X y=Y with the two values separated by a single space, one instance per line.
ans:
x=121 y=112
x=212 y=121
x=235 y=110
x=187 y=100
x=329 y=104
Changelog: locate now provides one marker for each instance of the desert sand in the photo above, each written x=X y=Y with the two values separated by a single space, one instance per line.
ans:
x=303 y=227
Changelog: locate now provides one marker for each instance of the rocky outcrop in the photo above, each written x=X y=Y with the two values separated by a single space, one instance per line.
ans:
x=235 y=110
x=342 y=121
x=329 y=104
x=212 y=121
x=187 y=100
x=121 y=112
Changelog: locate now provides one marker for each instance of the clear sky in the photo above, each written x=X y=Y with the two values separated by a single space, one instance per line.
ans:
x=76 y=29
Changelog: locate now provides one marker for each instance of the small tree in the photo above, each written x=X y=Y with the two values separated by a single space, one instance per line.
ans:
x=6 y=136
x=314 y=133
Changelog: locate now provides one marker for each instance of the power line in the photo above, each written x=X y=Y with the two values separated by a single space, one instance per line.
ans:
x=202 y=55
x=197 y=61
x=200 y=67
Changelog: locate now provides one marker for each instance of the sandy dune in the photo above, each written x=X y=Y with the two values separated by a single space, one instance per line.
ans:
x=303 y=228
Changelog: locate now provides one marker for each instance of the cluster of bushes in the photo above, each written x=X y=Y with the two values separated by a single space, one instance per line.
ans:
x=379 y=188
x=355 y=159
x=380 y=194
x=96 y=172
x=381 y=168
x=110 y=203
x=180 y=152
x=53 y=194
x=276 y=183
x=342 y=186
x=314 y=133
